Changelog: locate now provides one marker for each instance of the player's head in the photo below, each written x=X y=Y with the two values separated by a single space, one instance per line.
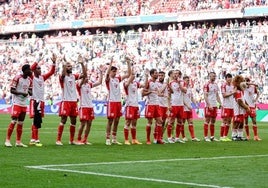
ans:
x=154 y=73
x=228 y=78
x=212 y=76
x=186 y=79
x=69 y=68
x=170 y=73
x=36 y=69
x=161 y=76
x=176 y=74
x=113 y=71
x=26 y=70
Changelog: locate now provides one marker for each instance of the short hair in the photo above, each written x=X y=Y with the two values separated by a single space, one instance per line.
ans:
x=113 y=68
x=170 y=72
x=25 y=67
x=161 y=72
x=228 y=75
x=179 y=72
x=152 y=71
x=212 y=72
x=185 y=77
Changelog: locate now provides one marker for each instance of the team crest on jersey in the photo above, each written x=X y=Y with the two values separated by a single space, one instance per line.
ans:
x=70 y=83
x=24 y=87
x=40 y=83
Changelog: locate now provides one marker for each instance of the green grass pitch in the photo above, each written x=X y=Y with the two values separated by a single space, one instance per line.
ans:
x=190 y=165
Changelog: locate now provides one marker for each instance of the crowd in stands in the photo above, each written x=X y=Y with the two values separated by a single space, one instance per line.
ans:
x=14 y=12
x=236 y=48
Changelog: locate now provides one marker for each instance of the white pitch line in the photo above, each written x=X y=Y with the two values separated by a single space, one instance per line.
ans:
x=150 y=161
x=48 y=167
x=129 y=177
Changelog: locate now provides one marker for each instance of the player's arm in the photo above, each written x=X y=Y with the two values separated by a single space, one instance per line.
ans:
x=64 y=69
x=84 y=70
x=243 y=105
x=185 y=104
x=34 y=65
x=15 y=92
x=182 y=88
x=257 y=95
x=145 y=92
x=107 y=78
x=206 y=98
x=128 y=69
x=83 y=80
x=52 y=68
x=218 y=99
x=146 y=79
x=30 y=91
x=129 y=80
x=225 y=94
x=99 y=82
x=169 y=100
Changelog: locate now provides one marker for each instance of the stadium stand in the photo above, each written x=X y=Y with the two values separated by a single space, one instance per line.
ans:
x=35 y=11
x=238 y=46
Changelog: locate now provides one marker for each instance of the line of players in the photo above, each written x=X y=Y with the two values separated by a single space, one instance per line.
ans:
x=167 y=102
x=171 y=101
x=239 y=97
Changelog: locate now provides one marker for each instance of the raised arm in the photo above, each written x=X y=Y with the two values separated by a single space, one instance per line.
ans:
x=99 y=82
x=52 y=68
x=107 y=78
x=84 y=70
x=128 y=69
x=146 y=78
x=130 y=79
x=64 y=69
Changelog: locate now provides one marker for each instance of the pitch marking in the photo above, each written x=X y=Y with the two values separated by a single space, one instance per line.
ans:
x=49 y=167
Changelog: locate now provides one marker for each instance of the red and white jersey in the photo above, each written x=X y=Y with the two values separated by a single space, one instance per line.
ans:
x=132 y=94
x=21 y=85
x=84 y=93
x=249 y=95
x=68 y=87
x=163 y=100
x=238 y=110
x=228 y=102
x=212 y=89
x=152 y=98
x=187 y=98
x=113 y=86
x=177 y=94
x=39 y=87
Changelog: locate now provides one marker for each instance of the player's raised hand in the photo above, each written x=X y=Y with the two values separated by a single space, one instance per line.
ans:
x=80 y=59
x=54 y=58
